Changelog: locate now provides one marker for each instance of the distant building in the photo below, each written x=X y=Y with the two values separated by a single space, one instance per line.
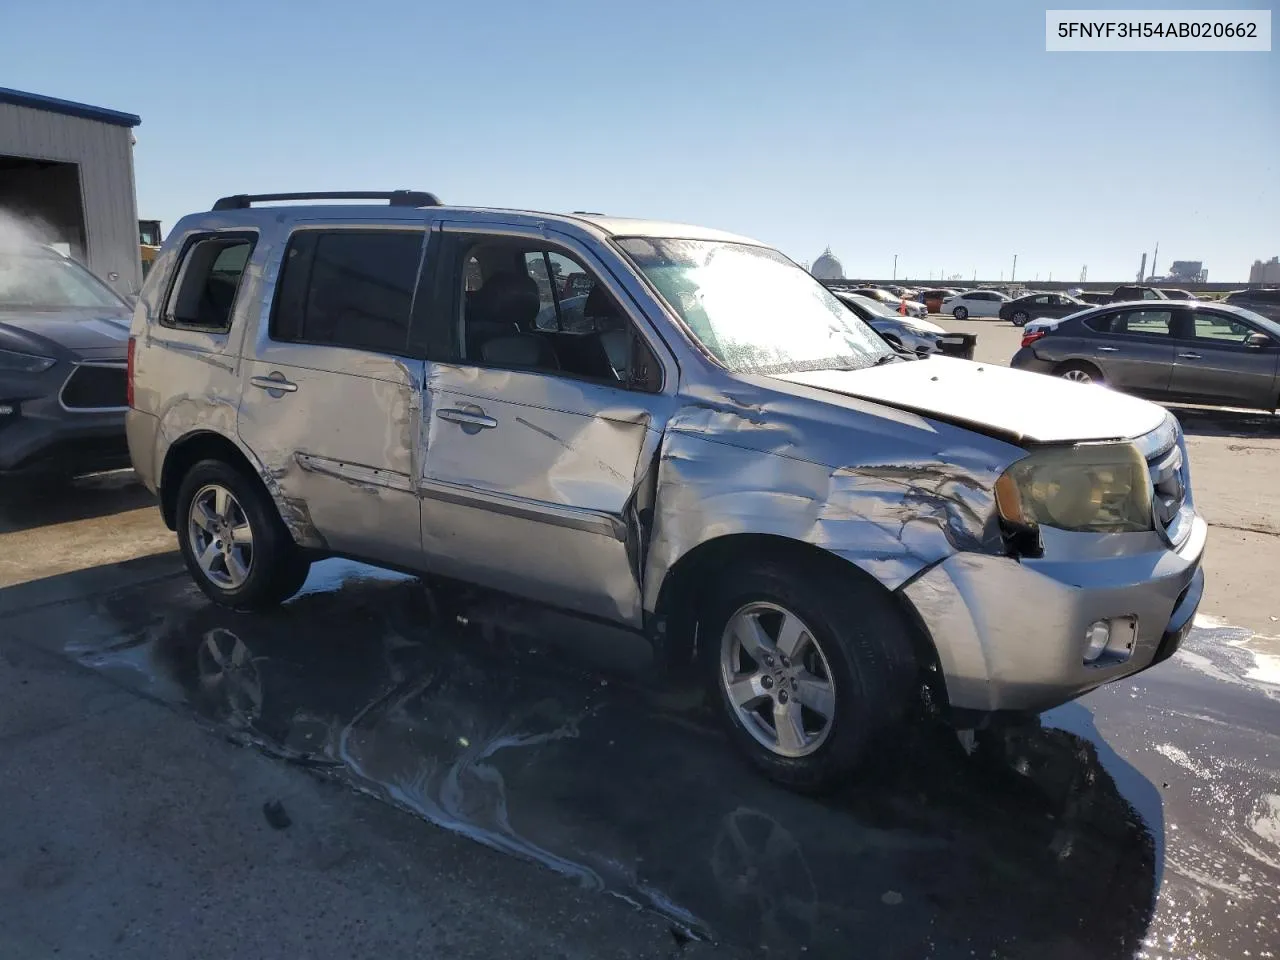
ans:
x=827 y=267
x=1188 y=271
x=1263 y=273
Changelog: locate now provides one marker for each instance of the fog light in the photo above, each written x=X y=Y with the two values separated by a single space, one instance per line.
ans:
x=1097 y=636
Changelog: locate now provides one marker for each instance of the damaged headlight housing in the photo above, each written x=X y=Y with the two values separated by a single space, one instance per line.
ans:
x=1093 y=488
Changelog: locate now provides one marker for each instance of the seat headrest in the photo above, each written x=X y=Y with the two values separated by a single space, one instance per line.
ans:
x=599 y=303
x=506 y=298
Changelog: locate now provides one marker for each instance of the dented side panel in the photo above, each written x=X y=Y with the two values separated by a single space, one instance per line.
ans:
x=889 y=491
x=536 y=502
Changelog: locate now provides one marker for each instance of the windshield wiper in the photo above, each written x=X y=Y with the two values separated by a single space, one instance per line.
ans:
x=886 y=358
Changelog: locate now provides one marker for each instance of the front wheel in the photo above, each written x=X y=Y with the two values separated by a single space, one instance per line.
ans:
x=233 y=541
x=960 y=313
x=1020 y=318
x=809 y=668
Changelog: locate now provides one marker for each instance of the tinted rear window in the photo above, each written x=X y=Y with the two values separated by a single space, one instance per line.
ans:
x=348 y=288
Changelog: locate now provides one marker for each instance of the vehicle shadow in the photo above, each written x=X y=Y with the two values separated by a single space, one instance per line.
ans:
x=412 y=693
x=27 y=504
x=1217 y=422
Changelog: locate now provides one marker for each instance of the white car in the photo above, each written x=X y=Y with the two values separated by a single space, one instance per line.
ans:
x=975 y=303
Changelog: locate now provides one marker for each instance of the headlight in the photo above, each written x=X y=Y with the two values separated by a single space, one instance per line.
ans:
x=24 y=362
x=1099 y=488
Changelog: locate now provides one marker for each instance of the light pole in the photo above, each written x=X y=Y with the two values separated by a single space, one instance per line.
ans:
x=895 y=267
x=1015 y=268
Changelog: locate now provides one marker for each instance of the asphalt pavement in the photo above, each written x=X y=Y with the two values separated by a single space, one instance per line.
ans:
x=402 y=767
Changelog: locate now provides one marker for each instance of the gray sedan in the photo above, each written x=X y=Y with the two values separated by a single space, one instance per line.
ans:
x=1193 y=352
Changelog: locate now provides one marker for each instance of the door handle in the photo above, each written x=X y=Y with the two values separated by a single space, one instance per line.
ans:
x=276 y=383
x=467 y=418
x=1108 y=349
x=1189 y=356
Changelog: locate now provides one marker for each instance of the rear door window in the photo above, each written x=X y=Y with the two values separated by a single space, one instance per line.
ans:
x=1145 y=323
x=208 y=280
x=348 y=288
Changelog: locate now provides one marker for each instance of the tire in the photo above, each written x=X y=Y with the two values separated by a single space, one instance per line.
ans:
x=960 y=313
x=1080 y=372
x=269 y=571
x=1020 y=318
x=849 y=630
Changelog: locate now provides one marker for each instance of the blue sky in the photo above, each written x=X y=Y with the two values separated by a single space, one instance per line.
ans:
x=939 y=131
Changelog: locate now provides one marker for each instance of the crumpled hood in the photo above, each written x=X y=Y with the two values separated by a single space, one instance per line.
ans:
x=97 y=332
x=993 y=399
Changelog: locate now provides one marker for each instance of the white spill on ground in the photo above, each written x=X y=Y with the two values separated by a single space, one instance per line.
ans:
x=1233 y=655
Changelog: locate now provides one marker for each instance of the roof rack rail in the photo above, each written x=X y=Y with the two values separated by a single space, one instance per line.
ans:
x=395 y=198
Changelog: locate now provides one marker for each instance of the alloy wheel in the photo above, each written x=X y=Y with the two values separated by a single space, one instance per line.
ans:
x=220 y=536
x=1078 y=376
x=777 y=679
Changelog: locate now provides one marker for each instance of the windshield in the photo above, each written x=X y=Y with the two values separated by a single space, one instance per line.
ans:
x=752 y=308
x=47 y=282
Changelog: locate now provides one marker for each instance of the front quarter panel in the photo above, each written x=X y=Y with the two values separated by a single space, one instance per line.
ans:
x=889 y=491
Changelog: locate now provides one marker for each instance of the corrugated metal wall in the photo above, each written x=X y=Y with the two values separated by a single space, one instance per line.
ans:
x=104 y=153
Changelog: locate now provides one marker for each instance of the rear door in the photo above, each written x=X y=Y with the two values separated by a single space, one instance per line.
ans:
x=1213 y=364
x=331 y=393
x=545 y=402
x=1134 y=349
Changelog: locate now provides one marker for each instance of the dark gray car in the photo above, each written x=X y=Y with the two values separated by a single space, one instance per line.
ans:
x=64 y=339
x=1263 y=300
x=1194 y=352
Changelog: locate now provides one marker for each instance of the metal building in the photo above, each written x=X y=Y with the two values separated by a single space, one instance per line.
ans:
x=66 y=172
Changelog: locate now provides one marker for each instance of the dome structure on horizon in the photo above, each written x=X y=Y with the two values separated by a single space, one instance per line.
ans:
x=827 y=267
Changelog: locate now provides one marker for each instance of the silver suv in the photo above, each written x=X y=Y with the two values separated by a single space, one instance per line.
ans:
x=665 y=427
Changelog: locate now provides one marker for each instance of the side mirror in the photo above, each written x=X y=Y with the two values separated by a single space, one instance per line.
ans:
x=1257 y=341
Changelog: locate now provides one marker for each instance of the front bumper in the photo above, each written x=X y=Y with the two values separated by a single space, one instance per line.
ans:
x=32 y=443
x=1010 y=634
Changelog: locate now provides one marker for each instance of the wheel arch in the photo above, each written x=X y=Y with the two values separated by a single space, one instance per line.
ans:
x=677 y=612
x=198 y=445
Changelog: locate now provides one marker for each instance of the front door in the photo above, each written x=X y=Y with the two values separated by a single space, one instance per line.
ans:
x=331 y=396
x=1213 y=364
x=542 y=416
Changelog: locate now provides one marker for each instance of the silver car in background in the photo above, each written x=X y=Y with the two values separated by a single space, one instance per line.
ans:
x=712 y=451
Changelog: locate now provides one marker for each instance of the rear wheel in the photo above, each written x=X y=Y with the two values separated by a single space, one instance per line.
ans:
x=960 y=313
x=1078 y=371
x=233 y=540
x=809 y=668
x=1020 y=318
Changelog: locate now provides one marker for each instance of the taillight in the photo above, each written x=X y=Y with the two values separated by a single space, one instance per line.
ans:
x=1028 y=338
x=128 y=389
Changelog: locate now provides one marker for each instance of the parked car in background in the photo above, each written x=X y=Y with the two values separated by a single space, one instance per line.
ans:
x=910 y=308
x=1036 y=305
x=1093 y=296
x=932 y=299
x=917 y=336
x=64 y=338
x=1173 y=293
x=1263 y=300
x=836 y=524
x=975 y=303
x=1186 y=351
x=1136 y=291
